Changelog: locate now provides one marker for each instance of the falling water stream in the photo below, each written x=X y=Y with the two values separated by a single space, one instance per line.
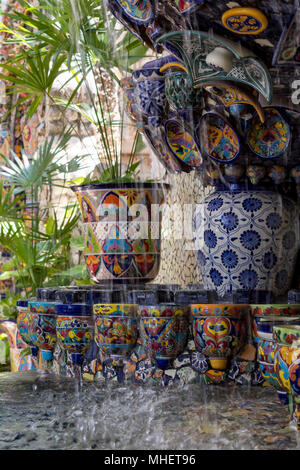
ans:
x=50 y=412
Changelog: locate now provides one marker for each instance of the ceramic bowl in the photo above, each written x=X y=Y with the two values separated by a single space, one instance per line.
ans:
x=217 y=138
x=269 y=139
x=164 y=331
x=182 y=144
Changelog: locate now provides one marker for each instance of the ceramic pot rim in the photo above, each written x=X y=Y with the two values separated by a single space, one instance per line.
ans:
x=278 y=306
x=275 y=318
x=133 y=185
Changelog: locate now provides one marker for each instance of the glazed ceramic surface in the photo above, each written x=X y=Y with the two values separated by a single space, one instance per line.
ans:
x=245 y=20
x=75 y=334
x=266 y=361
x=287 y=334
x=23 y=323
x=217 y=337
x=248 y=240
x=275 y=309
x=287 y=51
x=122 y=234
x=42 y=327
x=150 y=98
x=157 y=143
x=230 y=310
x=232 y=96
x=271 y=138
x=217 y=138
x=210 y=57
x=182 y=144
x=164 y=331
x=263 y=325
x=139 y=11
x=181 y=94
x=116 y=328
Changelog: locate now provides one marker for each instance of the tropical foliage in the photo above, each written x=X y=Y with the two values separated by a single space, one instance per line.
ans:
x=60 y=36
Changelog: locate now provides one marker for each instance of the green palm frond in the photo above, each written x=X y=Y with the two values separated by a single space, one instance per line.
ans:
x=45 y=167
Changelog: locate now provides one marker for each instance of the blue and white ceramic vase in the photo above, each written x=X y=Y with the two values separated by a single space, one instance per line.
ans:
x=247 y=239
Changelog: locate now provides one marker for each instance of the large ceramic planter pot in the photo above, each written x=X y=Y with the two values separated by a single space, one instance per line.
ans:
x=116 y=330
x=219 y=331
x=75 y=329
x=164 y=331
x=247 y=239
x=42 y=328
x=122 y=230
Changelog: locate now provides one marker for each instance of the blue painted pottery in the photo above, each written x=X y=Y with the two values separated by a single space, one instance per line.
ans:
x=138 y=11
x=23 y=323
x=115 y=329
x=42 y=328
x=75 y=329
x=150 y=98
x=247 y=239
x=265 y=359
x=182 y=144
x=264 y=325
x=164 y=331
x=181 y=94
x=217 y=338
x=217 y=138
x=219 y=330
x=271 y=138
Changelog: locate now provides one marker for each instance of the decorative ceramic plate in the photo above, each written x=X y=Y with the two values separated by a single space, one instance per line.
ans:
x=271 y=138
x=139 y=11
x=182 y=143
x=244 y=21
x=217 y=138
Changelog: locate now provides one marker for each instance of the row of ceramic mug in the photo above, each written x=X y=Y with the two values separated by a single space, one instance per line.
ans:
x=218 y=330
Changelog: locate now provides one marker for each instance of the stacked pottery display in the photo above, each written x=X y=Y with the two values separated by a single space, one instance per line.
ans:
x=264 y=319
x=219 y=102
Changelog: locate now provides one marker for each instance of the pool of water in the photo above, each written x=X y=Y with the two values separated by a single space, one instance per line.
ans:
x=49 y=412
